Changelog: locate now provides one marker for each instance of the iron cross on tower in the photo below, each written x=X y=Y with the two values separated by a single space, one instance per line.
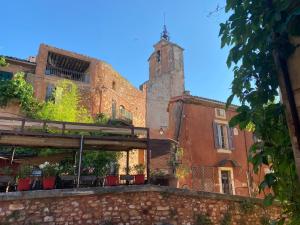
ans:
x=165 y=34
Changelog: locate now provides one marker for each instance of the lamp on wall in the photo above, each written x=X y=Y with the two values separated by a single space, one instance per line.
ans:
x=161 y=131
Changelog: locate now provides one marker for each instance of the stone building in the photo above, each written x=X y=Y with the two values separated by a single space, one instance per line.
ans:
x=166 y=80
x=103 y=90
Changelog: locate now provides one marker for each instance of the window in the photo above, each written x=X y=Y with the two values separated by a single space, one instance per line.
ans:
x=5 y=75
x=226 y=183
x=113 y=85
x=158 y=56
x=113 y=109
x=220 y=113
x=122 y=110
x=223 y=136
x=49 y=92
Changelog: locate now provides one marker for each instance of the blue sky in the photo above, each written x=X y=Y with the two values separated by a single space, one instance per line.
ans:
x=122 y=33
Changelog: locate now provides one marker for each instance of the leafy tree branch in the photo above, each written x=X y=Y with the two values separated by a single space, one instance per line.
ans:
x=254 y=31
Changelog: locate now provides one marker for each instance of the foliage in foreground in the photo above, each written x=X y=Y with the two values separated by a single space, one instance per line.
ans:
x=254 y=31
x=19 y=89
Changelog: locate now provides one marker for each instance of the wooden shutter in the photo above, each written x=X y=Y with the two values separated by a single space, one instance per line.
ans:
x=230 y=137
x=216 y=135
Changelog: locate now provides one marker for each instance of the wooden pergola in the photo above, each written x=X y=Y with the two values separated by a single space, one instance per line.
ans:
x=19 y=132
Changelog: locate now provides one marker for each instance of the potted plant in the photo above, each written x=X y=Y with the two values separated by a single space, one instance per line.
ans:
x=139 y=178
x=23 y=176
x=88 y=176
x=113 y=178
x=66 y=175
x=49 y=175
x=125 y=170
x=159 y=177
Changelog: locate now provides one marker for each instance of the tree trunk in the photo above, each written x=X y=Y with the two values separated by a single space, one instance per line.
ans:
x=291 y=97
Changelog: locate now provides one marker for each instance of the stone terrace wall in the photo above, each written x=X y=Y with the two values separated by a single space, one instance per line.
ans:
x=126 y=205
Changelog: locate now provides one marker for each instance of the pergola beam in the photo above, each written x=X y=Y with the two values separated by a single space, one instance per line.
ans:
x=65 y=142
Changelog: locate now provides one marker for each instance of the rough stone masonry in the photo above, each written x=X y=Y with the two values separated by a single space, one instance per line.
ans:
x=128 y=205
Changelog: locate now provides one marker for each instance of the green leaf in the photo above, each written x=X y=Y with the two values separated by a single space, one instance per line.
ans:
x=229 y=101
x=268 y=200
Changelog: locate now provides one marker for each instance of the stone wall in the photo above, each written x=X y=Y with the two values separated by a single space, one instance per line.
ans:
x=128 y=205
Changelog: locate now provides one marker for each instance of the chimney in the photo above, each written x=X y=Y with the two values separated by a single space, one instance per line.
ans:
x=32 y=59
x=186 y=93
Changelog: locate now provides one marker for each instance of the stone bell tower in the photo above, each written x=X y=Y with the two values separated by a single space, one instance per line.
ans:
x=166 y=80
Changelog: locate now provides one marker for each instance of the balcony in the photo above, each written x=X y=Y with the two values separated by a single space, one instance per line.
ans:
x=67 y=67
x=125 y=115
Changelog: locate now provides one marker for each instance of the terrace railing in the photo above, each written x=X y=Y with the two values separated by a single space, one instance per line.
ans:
x=68 y=74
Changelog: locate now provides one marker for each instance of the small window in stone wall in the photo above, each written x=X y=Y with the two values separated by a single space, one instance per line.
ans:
x=226 y=182
x=113 y=85
x=5 y=75
x=158 y=56
x=220 y=113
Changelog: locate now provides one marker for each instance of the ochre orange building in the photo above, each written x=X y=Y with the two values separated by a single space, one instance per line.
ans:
x=215 y=153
